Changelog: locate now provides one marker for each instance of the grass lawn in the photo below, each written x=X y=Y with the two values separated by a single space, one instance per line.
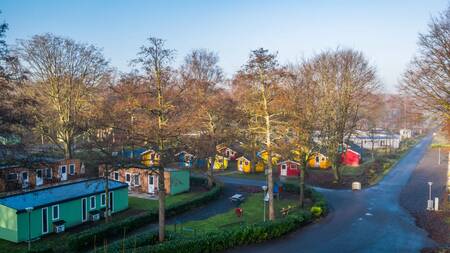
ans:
x=58 y=241
x=253 y=213
x=135 y=203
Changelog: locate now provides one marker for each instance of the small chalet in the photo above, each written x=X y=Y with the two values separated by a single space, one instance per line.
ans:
x=227 y=152
x=145 y=179
x=150 y=158
x=39 y=173
x=289 y=168
x=244 y=164
x=185 y=159
x=350 y=158
x=36 y=213
x=220 y=163
x=263 y=154
x=319 y=161
x=375 y=139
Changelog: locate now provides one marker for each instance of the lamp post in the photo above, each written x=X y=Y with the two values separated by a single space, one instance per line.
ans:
x=29 y=210
x=264 y=187
x=430 y=202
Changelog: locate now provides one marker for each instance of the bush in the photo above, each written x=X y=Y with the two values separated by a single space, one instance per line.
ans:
x=220 y=241
x=144 y=239
x=96 y=235
x=316 y=211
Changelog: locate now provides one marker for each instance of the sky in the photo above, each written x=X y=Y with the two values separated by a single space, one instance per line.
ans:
x=386 y=31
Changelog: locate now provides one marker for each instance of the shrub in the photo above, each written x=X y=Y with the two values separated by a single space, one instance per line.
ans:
x=96 y=235
x=316 y=211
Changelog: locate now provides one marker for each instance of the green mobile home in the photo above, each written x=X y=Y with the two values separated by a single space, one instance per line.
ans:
x=36 y=213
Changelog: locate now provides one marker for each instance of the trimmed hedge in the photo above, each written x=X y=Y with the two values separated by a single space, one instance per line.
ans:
x=255 y=233
x=144 y=239
x=226 y=239
x=86 y=239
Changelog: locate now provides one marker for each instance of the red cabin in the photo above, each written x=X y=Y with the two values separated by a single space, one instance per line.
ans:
x=351 y=158
x=289 y=168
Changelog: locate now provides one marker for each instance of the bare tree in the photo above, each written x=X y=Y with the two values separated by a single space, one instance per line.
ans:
x=154 y=59
x=63 y=76
x=263 y=76
x=343 y=79
x=428 y=76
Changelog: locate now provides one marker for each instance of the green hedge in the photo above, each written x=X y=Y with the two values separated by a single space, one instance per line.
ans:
x=255 y=233
x=226 y=239
x=97 y=234
x=144 y=239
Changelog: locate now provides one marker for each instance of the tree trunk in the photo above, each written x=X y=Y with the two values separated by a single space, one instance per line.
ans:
x=302 y=185
x=68 y=147
x=162 y=203
x=211 y=171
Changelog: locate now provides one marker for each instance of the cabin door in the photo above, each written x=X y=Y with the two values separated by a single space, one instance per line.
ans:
x=25 y=180
x=283 y=171
x=39 y=178
x=152 y=184
x=63 y=171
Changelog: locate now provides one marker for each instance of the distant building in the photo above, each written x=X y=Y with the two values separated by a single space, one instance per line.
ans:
x=145 y=179
x=39 y=172
x=58 y=207
x=405 y=133
x=289 y=168
x=375 y=139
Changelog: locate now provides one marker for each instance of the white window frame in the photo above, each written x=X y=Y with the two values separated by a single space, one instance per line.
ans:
x=28 y=176
x=53 y=212
x=138 y=181
x=90 y=202
x=126 y=178
x=114 y=176
x=72 y=165
x=47 y=174
x=103 y=197
x=46 y=220
x=284 y=166
x=60 y=169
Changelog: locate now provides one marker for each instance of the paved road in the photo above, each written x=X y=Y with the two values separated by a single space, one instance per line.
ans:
x=367 y=221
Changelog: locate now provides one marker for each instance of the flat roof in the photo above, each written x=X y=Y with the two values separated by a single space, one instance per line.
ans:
x=58 y=194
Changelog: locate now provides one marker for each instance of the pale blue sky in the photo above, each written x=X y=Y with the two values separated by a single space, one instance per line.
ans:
x=386 y=31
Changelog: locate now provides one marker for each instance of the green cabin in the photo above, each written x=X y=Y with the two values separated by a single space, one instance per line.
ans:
x=33 y=214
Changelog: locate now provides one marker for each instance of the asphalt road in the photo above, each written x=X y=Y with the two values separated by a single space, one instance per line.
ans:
x=370 y=220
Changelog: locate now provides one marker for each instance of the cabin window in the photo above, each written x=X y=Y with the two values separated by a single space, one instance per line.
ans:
x=55 y=212
x=294 y=166
x=116 y=176
x=246 y=163
x=92 y=202
x=39 y=173
x=136 y=180
x=103 y=199
x=44 y=220
x=72 y=169
x=284 y=167
x=48 y=173
x=317 y=159
x=128 y=177
x=24 y=176
x=323 y=158
x=151 y=180
x=12 y=177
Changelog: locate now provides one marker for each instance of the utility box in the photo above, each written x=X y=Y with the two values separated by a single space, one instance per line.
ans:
x=436 y=204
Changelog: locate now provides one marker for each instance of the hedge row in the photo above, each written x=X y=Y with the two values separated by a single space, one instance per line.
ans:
x=256 y=233
x=226 y=239
x=97 y=234
x=144 y=239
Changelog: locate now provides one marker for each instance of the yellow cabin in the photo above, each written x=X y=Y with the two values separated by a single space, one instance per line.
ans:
x=264 y=156
x=150 y=158
x=245 y=165
x=319 y=161
x=220 y=163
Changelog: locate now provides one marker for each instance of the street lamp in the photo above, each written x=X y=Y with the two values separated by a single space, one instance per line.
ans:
x=430 y=202
x=264 y=187
x=29 y=210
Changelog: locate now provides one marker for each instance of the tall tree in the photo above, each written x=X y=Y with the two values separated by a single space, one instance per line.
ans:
x=155 y=60
x=209 y=106
x=428 y=76
x=263 y=76
x=63 y=76
x=343 y=79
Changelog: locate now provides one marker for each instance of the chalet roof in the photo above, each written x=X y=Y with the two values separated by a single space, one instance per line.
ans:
x=288 y=161
x=59 y=193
